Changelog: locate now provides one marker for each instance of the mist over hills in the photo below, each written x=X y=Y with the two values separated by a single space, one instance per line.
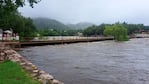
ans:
x=81 y=25
x=46 y=23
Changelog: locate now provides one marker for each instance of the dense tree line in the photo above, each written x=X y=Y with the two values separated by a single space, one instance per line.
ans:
x=58 y=32
x=94 y=30
x=99 y=30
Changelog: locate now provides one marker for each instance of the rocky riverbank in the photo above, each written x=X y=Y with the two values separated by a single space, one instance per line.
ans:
x=40 y=75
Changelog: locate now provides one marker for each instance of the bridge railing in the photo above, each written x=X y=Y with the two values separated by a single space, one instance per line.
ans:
x=49 y=38
x=53 y=38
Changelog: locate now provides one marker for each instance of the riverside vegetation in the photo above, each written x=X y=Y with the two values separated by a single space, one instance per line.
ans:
x=118 y=31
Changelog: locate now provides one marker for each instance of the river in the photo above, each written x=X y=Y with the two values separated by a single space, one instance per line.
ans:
x=104 y=62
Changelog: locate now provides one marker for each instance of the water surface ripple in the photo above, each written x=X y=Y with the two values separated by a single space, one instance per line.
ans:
x=104 y=62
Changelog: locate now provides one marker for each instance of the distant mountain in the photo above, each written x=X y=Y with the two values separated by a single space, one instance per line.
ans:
x=81 y=25
x=45 y=23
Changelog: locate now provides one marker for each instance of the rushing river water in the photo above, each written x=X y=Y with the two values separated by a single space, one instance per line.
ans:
x=104 y=62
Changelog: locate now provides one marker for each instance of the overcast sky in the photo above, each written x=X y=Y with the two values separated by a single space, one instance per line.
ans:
x=94 y=11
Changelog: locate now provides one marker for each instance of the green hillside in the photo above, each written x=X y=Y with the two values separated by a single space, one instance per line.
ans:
x=81 y=25
x=45 y=23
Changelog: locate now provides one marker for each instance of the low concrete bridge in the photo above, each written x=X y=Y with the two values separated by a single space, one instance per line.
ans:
x=63 y=40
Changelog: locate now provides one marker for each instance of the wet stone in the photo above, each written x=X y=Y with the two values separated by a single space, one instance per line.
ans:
x=41 y=72
x=23 y=63
x=34 y=74
x=35 y=71
x=56 y=82
x=46 y=76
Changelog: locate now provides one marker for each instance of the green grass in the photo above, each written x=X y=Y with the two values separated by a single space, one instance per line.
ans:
x=12 y=73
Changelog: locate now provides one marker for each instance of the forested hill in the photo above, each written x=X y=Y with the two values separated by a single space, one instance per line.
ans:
x=81 y=25
x=45 y=23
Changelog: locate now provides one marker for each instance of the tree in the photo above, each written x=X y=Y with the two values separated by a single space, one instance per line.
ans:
x=9 y=7
x=11 y=18
x=17 y=3
x=118 y=31
x=100 y=29
x=90 y=31
x=133 y=28
x=95 y=30
x=108 y=31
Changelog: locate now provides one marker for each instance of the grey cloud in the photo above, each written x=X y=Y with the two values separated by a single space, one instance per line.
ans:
x=95 y=11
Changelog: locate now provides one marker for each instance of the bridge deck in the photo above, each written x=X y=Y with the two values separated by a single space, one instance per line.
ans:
x=51 y=42
x=37 y=43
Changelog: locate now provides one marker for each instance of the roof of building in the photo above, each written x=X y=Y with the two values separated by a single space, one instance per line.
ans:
x=8 y=31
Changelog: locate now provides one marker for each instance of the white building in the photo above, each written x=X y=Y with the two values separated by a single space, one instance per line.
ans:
x=8 y=35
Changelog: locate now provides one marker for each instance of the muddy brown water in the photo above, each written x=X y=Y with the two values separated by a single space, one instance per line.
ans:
x=104 y=62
